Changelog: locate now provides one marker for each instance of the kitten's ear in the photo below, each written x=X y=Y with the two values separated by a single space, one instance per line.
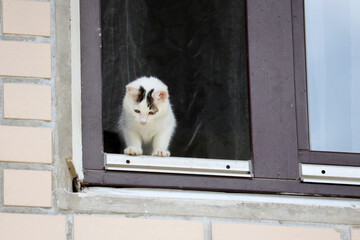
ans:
x=160 y=96
x=133 y=92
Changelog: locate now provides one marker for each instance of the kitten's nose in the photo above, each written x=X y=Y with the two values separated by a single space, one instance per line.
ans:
x=143 y=122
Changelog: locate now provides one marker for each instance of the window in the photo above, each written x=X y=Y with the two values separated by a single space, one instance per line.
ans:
x=333 y=63
x=199 y=50
x=280 y=143
x=333 y=74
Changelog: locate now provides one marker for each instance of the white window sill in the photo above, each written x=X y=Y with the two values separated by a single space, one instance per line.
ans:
x=196 y=204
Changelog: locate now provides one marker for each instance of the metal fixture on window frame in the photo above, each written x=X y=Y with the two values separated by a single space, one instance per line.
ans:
x=330 y=174
x=178 y=165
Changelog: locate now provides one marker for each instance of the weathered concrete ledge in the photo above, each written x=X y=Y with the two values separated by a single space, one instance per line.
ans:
x=186 y=204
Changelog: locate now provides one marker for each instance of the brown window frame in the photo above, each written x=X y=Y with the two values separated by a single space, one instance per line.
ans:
x=278 y=107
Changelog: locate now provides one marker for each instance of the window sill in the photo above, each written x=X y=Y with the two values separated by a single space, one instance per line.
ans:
x=193 y=204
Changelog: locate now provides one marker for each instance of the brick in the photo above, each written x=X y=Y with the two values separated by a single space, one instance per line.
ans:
x=24 y=59
x=23 y=101
x=25 y=144
x=235 y=231
x=26 y=17
x=355 y=234
x=111 y=228
x=27 y=188
x=28 y=226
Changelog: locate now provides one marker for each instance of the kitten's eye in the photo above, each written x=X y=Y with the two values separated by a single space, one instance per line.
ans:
x=137 y=111
x=151 y=113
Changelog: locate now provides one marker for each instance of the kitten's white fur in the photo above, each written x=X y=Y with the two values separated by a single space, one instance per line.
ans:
x=139 y=126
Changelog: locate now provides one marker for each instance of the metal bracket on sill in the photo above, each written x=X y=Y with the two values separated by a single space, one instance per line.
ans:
x=330 y=174
x=178 y=165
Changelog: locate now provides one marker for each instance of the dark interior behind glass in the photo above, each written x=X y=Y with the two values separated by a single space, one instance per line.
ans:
x=198 y=48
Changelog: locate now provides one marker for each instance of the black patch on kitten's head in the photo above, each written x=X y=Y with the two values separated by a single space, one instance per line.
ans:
x=141 y=95
x=150 y=100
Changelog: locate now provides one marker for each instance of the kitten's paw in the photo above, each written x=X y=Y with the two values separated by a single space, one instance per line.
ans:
x=161 y=153
x=133 y=151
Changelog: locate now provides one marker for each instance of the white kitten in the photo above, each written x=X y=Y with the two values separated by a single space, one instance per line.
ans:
x=147 y=118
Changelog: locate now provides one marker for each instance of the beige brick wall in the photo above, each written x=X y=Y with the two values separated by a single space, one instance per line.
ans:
x=355 y=234
x=25 y=144
x=26 y=129
x=27 y=188
x=25 y=59
x=234 y=231
x=32 y=226
x=26 y=17
x=112 y=228
x=24 y=101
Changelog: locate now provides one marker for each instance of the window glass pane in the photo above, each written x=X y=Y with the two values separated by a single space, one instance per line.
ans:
x=197 y=48
x=333 y=74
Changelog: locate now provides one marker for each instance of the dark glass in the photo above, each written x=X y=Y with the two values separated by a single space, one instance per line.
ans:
x=198 y=48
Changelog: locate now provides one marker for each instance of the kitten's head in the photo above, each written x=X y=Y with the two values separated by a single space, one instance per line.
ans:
x=146 y=100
